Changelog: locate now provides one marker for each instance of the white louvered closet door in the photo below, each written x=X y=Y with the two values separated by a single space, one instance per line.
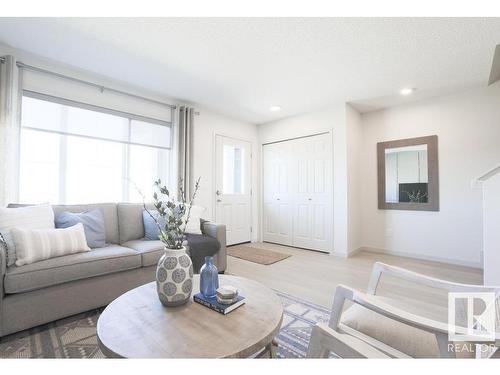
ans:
x=298 y=193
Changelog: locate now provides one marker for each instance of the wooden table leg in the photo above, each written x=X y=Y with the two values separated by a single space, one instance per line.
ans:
x=273 y=347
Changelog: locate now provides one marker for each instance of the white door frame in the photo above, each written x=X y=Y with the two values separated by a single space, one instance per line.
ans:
x=214 y=175
x=332 y=190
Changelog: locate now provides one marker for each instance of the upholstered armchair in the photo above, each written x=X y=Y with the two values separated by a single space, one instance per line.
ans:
x=377 y=327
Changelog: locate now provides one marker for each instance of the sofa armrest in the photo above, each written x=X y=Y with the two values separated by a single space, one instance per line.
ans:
x=217 y=231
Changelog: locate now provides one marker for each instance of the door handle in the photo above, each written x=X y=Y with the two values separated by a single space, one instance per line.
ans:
x=309 y=199
x=277 y=199
x=217 y=192
x=219 y=200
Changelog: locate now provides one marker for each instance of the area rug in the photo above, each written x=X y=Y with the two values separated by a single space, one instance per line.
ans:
x=75 y=337
x=255 y=254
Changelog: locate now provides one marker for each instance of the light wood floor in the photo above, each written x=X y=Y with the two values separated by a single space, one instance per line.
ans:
x=313 y=276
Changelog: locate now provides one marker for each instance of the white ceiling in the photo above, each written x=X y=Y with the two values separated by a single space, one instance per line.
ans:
x=241 y=67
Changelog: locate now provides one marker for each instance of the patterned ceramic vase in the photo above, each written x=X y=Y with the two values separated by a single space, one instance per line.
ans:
x=174 y=277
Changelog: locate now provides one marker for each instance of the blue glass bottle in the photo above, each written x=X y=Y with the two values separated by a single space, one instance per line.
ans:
x=209 y=278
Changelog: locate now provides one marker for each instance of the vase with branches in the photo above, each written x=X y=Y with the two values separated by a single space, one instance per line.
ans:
x=174 y=272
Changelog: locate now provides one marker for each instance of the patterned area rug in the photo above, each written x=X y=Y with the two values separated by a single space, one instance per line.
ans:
x=75 y=337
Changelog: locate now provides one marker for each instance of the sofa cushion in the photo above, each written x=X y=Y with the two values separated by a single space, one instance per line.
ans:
x=32 y=217
x=199 y=246
x=67 y=268
x=149 y=219
x=409 y=340
x=194 y=223
x=93 y=224
x=151 y=251
x=108 y=210
x=130 y=221
x=34 y=245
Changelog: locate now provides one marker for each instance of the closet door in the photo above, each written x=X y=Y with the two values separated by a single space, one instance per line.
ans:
x=312 y=186
x=277 y=215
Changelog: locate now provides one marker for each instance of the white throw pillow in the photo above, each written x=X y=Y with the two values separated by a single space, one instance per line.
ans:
x=30 y=217
x=193 y=225
x=33 y=245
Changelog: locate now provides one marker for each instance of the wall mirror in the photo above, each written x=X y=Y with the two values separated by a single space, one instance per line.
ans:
x=408 y=175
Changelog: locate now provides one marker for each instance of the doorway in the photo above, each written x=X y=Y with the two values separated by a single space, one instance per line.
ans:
x=233 y=188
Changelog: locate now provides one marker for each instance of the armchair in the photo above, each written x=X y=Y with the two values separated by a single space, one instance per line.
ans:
x=371 y=323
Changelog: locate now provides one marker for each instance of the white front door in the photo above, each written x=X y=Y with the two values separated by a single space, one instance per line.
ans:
x=233 y=188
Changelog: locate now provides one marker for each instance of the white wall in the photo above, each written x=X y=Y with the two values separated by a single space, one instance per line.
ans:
x=468 y=130
x=354 y=178
x=206 y=126
x=334 y=120
x=491 y=238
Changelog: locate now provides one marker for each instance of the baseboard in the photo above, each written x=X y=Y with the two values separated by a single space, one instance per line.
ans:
x=354 y=252
x=420 y=257
x=338 y=255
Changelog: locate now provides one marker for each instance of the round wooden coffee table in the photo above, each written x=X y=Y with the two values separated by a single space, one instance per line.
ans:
x=137 y=325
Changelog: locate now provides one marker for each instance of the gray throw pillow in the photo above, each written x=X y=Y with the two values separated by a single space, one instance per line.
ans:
x=93 y=225
x=150 y=227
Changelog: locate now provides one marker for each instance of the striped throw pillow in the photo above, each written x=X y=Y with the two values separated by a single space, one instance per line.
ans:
x=30 y=217
x=33 y=245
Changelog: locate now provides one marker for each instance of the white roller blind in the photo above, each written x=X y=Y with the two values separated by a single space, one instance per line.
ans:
x=54 y=85
x=71 y=118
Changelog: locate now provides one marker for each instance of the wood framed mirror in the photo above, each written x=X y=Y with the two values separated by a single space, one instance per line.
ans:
x=408 y=174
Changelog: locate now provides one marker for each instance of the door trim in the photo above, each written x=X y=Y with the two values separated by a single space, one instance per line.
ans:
x=214 y=176
x=332 y=190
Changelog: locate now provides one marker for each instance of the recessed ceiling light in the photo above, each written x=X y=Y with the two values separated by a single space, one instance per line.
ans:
x=275 y=108
x=407 y=91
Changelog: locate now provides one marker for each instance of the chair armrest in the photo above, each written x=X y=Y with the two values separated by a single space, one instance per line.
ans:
x=217 y=231
x=418 y=278
x=371 y=302
x=325 y=339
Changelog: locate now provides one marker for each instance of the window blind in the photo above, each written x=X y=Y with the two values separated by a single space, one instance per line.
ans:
x=54 y=85
x=63 y=116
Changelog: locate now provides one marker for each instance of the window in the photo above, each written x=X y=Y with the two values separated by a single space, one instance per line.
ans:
x=233 y=170
x=74 y=153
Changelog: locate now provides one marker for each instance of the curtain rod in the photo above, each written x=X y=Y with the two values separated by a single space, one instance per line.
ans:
x=100 y=87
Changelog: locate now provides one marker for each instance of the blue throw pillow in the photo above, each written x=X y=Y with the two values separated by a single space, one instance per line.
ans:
x=150 y=227
x=93 y=225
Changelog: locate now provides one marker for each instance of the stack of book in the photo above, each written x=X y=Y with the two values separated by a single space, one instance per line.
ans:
x=226 y=300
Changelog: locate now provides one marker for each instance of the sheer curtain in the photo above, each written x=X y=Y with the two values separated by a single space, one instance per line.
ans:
x=186 y=119
x=10 y=95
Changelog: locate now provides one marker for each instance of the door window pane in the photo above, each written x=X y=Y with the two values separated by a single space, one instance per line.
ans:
x=233 y=173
